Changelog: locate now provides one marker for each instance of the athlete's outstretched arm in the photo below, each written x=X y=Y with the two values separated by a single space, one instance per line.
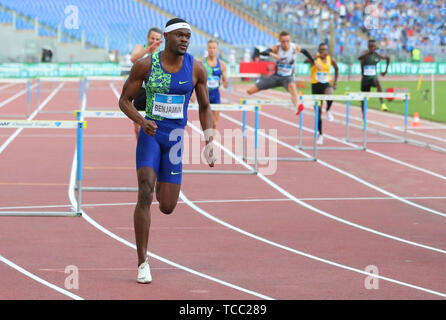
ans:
x=204 y=108
x=271 y=52
x=139 y=51
x=131 y=87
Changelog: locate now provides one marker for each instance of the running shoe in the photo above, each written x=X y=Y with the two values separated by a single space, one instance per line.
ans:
x=144 y=275
x=384 y=107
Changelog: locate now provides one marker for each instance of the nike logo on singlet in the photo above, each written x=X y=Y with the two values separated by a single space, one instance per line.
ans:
x=174 y=173
x=182 y=82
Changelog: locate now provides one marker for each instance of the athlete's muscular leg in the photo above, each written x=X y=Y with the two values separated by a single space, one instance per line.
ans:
x=378 y=88
x=167 y=194
x=293 y=91
x=328 y=90
x=215 y=117
x=141 y=216
x=253 y=89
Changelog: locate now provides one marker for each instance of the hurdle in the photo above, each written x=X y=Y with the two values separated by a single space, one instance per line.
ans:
x=244 y=108
x=82 y=114
x=306 y=102
x=63 y=80
x=90 y=85
x=323 y=97
x=27 y=90
x=51 y=124
x=239 y=76
x=366 y=96
x=351 y=96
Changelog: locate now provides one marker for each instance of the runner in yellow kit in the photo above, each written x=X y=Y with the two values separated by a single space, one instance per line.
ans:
x=320 y=81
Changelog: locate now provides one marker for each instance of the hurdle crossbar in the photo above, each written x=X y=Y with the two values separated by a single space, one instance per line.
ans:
x=286 y=103
x=82 y=114
x=49 y=124
x=80 y=89
x=325 y=97
x=27 y=82
x=366 y=96
x=239 y=76
x=351 y=96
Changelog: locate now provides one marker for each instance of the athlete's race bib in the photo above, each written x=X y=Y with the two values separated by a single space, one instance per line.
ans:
x=284 y=70
x=322 y=77
x=370 y=70
x=213 y=82
x=168 y=106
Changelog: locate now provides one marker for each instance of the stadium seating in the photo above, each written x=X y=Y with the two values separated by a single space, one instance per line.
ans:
x=126 y=22
x=207 y=15
x=5 y=17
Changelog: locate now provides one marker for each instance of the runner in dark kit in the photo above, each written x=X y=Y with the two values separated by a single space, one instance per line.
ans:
x=369 y=59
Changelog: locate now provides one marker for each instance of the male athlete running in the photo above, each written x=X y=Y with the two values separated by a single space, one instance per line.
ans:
x=285 y=55
x=171 y=75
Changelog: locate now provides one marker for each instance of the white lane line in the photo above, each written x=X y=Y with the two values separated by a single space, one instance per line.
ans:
x=424 y=135
x=61 y=270
x=108 y=204
x=378 y=154
x=325 y=164
x=311 y=208
x=17 y=132
x=275 y=244
x=389 y=115
x=290 y=196
x=73 y=201
x=155 y=256
x=310 y=256
x=321 y=212
x=38 y=279
x=10 y=263
x=7 y=86
x=18 y=94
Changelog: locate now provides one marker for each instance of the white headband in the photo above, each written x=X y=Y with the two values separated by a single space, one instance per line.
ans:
x=178 y=25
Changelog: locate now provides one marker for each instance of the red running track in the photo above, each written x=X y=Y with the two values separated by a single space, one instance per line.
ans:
x=307 y=231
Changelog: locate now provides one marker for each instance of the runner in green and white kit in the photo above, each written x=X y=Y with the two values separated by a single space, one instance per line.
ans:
x=142 y=51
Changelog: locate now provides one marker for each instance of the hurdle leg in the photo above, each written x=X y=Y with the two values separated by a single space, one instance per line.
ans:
x=38 y=92
x=28 y=100
x=79 y=147
x=347 y=121
x=300 y=130
x=364 y=139
x=316 y=129
x=256 y=139
x=244 y=136
x=406 y=112
x=80 y=89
